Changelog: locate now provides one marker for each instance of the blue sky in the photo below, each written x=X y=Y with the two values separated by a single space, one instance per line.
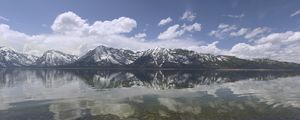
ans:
x=233 y=27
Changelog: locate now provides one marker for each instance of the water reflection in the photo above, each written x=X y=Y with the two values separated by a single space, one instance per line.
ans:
x=171 y=79
x=99 y=94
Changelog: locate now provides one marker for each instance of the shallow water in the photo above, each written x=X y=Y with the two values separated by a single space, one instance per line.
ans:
x=43 y=94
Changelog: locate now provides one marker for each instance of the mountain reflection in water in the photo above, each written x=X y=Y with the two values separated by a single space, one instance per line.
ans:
x=171 y=94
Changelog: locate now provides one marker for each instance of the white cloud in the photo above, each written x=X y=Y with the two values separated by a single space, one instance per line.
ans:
x=192 y=28
x=116 y=26
x=283 y=46
x=209 y=48
x=74 y=35
x=257 y=32
x=245 y=50
x=4 y=18
x=295 y=13
x=176 y=31
x=188 y=15
x=235 y=16
x=280 y=46
x=222 y=30
x=165 y=21
x=288 y=37
x=228 y=28
x=277 y=46
x=140 y=35
x=69 y=23
x=241 y=32
x=12 y=38
x=225 y=30
x=223 y=26
x=172 y=32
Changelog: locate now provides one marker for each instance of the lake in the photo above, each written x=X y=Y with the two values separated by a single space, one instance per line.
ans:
x=91 y=94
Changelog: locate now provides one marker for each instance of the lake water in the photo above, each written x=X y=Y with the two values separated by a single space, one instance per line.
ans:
x=82 y=94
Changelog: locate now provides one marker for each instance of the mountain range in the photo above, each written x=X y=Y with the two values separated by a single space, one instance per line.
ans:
x=107 y=57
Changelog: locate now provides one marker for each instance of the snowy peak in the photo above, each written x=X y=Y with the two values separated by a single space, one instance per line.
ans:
x=102 y=50
x=55 y=58
x=6 y=49
x=102 y=53
x=162 y=57
x=106 y=56
x=11 y=58
x=157 y=51
x=156 y=57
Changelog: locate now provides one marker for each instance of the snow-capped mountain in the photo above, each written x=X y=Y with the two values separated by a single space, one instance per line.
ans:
x=155 y=57
x=55 y=58
x=10 y=58
x=162 y=57
x=171 y=58
x=106 y=56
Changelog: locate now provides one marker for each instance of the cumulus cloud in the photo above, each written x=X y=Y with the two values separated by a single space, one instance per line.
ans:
x=4 y=18
x=244 y=50
x=280 y=46
x=116 y=26
x=176 y=31
x=226 y=30
x=295 y=13
x=140 y=36
x=210 y=48
x=165 y=21
x=188 y=15
x=284 y=46
x=235 y=16
x=288 y=37
x=69 y=23
x=13 y=37
x=171 y=32
x=74 y=35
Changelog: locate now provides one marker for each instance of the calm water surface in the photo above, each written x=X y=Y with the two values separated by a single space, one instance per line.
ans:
x=48 y=94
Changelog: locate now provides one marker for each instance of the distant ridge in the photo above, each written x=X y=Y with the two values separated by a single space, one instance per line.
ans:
x=54 y=58
x=107 y=57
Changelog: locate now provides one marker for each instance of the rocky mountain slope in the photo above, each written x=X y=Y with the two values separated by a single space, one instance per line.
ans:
x=55 y=58
x=106 y=57
x=10 y=58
